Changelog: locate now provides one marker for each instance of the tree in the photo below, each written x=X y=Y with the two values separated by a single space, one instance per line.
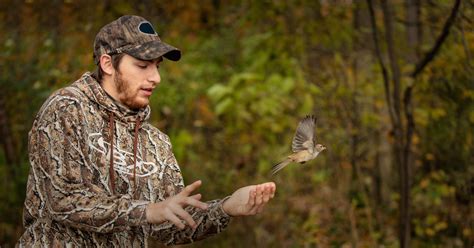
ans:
x=403 y=128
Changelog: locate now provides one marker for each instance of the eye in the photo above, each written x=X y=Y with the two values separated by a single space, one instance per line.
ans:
x=142 y=66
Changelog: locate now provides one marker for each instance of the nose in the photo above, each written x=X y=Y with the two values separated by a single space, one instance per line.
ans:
x=154 y=76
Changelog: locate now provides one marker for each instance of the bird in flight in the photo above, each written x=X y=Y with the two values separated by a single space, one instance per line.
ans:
x=304 y=145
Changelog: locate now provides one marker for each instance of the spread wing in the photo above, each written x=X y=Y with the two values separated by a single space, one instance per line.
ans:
x=304 y=137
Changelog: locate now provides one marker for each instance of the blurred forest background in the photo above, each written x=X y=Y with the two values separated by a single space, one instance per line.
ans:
x=391 y=82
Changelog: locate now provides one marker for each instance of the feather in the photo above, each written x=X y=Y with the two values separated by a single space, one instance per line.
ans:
x=280 y=166
x=304 y=136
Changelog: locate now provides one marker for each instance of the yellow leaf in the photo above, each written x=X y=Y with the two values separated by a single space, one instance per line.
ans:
x=430 y=232
x=429 y=157
x=441 y=226
x=424 y=183
x=438 y=113
x=416 y=140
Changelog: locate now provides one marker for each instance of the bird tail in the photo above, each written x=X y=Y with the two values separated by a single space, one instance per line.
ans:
x=280 y=166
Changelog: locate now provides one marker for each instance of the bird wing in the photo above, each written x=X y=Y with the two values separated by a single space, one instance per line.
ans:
x=304 y=138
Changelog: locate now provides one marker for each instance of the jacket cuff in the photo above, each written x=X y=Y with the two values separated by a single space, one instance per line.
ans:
x=137 y=217
x=221 y=207
x=217 y=214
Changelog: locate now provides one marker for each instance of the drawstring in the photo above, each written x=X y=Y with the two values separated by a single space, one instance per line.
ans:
x=135 y=143
x=111 y=162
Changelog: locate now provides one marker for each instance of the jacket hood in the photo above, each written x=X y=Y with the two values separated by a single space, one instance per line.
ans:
x=90 y=87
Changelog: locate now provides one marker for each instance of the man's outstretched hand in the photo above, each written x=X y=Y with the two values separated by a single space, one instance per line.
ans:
x=249 y=200
x=172 y=209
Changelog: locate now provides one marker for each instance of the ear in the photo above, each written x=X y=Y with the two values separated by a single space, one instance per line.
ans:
x=105 y=63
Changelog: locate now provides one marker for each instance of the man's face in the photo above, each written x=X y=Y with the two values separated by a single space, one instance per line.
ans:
x=135 y=80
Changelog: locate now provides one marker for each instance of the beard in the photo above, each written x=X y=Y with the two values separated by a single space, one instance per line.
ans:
x=127 y=95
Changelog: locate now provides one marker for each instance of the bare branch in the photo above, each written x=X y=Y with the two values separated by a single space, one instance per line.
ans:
x=444 y=34
x=393 y=59
x=467 y=51
x=378 y=53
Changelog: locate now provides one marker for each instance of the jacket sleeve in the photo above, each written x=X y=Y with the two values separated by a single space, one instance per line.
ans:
x=69 y=191
x=211 y=221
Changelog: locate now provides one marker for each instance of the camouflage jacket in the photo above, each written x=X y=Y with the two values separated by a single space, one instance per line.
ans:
x=73 y=200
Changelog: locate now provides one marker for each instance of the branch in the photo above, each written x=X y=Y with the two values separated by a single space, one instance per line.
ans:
x=444 y=34
x=467 y=51
x=393 y=61
x=380 y=59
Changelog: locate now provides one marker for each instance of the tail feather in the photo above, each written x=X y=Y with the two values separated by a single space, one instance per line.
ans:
x=280 y=166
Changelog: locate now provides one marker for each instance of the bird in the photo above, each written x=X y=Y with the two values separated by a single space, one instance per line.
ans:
x=304 y=144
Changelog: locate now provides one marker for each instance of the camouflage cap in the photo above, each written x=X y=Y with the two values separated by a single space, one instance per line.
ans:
x=135 y=36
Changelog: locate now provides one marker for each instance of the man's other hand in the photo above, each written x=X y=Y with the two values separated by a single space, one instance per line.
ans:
x=172 y=209
x=249 y=200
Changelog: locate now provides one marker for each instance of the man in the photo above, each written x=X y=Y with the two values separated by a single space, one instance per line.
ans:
x=101 y=175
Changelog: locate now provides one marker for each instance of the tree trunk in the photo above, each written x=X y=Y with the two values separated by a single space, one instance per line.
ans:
x=404 y=218
x=394 y=106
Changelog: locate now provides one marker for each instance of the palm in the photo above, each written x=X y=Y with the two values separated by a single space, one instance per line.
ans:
x=242 y=198
x=249 y=200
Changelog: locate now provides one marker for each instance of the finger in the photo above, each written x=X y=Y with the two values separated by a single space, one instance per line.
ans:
x=259 y=198
x=263 y=198
x=271 y=184
x=196 y=197
x=266 y=193
x=190 y=188
x=185 y=216
x=196 y=203
x=252 y=196
x=175 y=220
x=253 y=209
x=273 y=189
x=260 y=208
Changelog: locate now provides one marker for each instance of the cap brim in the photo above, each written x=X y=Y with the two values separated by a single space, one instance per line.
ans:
x=153 y=50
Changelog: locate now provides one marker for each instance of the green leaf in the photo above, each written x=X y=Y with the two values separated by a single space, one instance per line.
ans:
x=223 y=106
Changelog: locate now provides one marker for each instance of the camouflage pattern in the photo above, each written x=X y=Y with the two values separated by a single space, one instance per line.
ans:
x=135 y=36
x=69 y=200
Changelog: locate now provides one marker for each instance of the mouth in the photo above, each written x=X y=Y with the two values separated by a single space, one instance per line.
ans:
x=147 y=91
